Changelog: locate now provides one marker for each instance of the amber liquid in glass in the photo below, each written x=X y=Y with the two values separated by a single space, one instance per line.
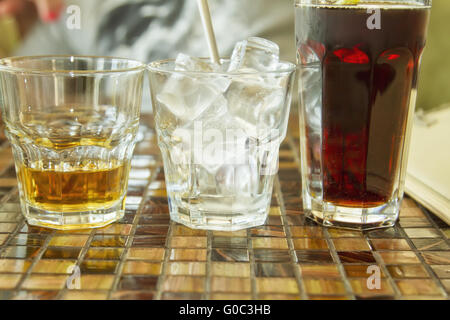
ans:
x=73 y=185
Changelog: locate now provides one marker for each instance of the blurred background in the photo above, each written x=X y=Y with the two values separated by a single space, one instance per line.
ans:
x=153 y=29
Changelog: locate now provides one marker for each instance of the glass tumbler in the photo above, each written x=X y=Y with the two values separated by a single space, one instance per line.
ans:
x=219 y=135
x=358 y=69
x=72 y=123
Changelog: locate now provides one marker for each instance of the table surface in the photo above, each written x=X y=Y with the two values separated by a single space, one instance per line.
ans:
x=145 y=256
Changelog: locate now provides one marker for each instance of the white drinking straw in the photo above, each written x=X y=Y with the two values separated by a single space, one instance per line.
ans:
x=209 y=30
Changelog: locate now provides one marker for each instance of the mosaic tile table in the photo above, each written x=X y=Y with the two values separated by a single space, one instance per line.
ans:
x=145 y=256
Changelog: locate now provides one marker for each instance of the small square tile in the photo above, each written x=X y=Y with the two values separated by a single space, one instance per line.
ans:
x=363 y=288
x=446 y=284
x=342 y=233
x=227 y=269
x=183 y=231
x=441 y=271
x=229 y=242
x=68 y=241
x=319 y=271
x=422 y=233
x=230 y=255
x=399 y=257
x=14 y=265
x=306 y=232
x=108 y=241
x=45 y=282
x=325 y=297
x=133 y=295
x=181 y=296
x=54 y=266
x=390 y=244
x=274 y=270
x=188 y=254
x=230 y=296
x=186 y=268
x=412 y=211
x=142 y=268
x=183 y=284
x=9 y=281
x=431 y=244
x=274 y=211
x=148 y=241
x=154 y=254
x=268 y=231
x=62 y=253
x=3 y=238
x=416 y=287
x=274 y=221
x=98 y=266
x=138 y=283
x=356 y=257
x=277 y=285
x=23 y=239
x=385 y=233
x=269 y=243
x=188 y=242
x=407 y=271
x=324 y=286
x=361 y=271
x=116 y=228
x=237 y=234
x=310 y=244
x=7 y=227
x=84 y=295
x=36 y=295
x=263 y=255
x=96 y=282
x=414 y=222
x=228 y=284
x=314 y=256
x=446 y=233
x=104 y=253
x=21 y=252
x=436 y=257
x=151 y=230
x=351 y=244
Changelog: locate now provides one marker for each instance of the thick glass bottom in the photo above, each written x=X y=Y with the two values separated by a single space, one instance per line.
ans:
x=218 y=220
x=330 y=215
x=73 y=220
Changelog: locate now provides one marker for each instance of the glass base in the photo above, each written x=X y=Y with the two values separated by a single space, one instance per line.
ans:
x=330 y=215
x=220 y=221
x=73 y=220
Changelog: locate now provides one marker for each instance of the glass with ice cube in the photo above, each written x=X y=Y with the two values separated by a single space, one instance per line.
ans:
x=219 y=130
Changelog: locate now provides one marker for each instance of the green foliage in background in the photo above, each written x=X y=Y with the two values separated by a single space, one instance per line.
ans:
x=434 y=80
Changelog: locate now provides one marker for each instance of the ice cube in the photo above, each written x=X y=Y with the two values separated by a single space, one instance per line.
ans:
x=256 y=105
x=237 y=180
x=218 y=141
x=187 y=96
x=188 y=63
x=256 y=54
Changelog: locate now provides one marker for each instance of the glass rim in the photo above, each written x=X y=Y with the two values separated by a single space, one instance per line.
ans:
x=5 y=65
x=365 y=3
x=155 y=66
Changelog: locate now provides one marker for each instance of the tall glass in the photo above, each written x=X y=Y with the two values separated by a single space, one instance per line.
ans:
x=220 y=150
x=358 y=68
x=72 y=123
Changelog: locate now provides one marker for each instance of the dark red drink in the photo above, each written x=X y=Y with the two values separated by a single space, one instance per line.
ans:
x=362 y=63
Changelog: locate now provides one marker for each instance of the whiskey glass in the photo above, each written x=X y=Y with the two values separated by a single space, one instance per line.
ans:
x=72 y=124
